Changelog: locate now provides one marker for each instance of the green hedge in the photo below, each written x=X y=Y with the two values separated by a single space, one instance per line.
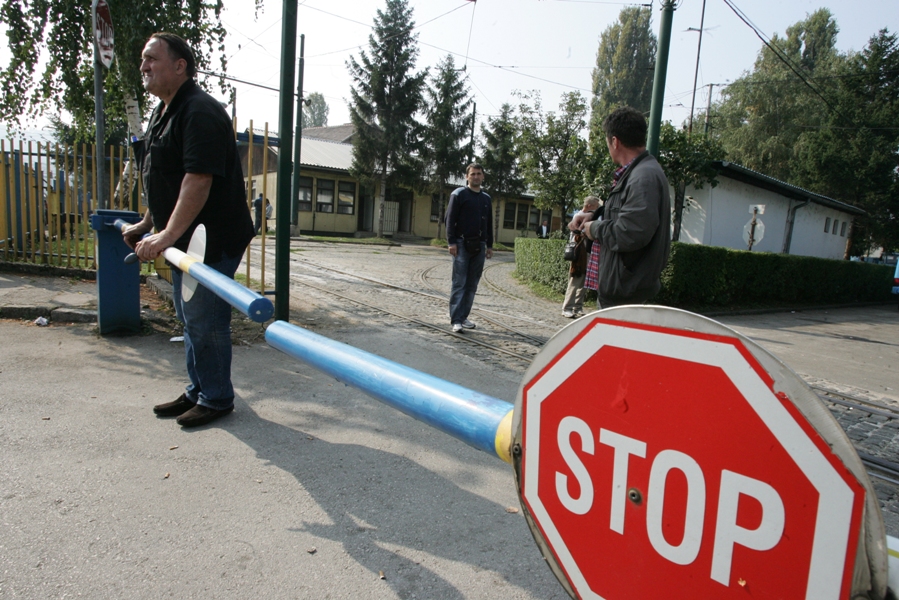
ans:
x=702 y=277
x=541 y=261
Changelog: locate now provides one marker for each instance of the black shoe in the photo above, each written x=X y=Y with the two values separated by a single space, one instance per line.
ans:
x=201 y=415
x=176 y=408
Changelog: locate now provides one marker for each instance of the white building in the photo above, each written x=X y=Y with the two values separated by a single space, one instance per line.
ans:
x=794 y=221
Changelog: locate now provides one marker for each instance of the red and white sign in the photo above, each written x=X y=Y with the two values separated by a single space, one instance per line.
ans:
x=103 y=32
x=661 y=463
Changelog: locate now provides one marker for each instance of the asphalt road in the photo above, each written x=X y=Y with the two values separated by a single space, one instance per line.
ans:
x=310 y=489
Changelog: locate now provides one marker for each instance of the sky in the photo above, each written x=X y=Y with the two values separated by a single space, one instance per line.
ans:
x=509 y=46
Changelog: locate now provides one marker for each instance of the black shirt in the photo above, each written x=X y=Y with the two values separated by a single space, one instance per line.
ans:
x=195 y=135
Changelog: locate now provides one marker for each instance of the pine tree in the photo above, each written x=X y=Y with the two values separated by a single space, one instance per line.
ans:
x=500 y=160
x=385 y=97
x=449 y=118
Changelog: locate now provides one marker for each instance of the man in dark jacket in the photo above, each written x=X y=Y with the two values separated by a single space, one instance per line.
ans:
x=192 y=177
x=469 y=233
x=634 y=234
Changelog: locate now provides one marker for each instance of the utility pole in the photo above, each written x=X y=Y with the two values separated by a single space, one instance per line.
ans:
x=708 y=109
x=285 y=124
x=295 y=192
x=696 y=72
x=474 y=114
x=658 y=83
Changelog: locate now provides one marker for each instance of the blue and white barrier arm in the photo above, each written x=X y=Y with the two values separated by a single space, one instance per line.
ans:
x=477 y=419
x=255 y=306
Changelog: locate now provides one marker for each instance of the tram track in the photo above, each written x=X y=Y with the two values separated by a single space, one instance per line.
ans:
x=466 y=338
x=493 y=317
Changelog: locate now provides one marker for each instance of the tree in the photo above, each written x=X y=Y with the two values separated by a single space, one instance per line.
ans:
x=853 y=155
x=686 y=160
x=553 y=151
x=315 y=111
x=66 y=82
x=834 y=135
x=500 y=160
x=763 y=114
x=449 y=119
x=385 y=98
x=624 y=67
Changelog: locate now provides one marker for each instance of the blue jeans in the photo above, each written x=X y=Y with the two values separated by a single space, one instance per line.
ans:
x=207 y=339
x=467 y=271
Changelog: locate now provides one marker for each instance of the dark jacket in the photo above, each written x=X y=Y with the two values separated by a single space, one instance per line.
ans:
x=635 y=234
x=469 y=215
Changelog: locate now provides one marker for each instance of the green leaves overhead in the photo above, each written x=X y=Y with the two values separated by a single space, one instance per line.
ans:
x=51 y=70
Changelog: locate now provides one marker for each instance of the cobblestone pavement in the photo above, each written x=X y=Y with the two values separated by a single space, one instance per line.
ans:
x=852 y=351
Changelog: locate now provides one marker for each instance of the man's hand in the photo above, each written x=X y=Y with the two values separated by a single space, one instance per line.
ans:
x=152 y=246
x=585 y=229
x=133 y=233
x=577 y=223
x=453 y=249
x=489 y=253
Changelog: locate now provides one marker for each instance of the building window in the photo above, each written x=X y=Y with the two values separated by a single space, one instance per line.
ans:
x=521 y=221
x=826 y=224
x=843 y=229
x=548 y=217
x=835 y=223
x=305 y=196
x=435 y=208
x=346 y=197
x=324 y=199
x=509 y=216
x=534 y=218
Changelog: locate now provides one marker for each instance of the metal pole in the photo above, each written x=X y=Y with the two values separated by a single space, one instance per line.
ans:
x=474 y=115
x=696 y=72
x=285 y=125
x=477 y=419
x=658 y=84
x=708 y=109
x=100 y=164
x=295 y=192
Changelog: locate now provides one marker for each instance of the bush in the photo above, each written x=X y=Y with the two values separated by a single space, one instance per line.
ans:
x=707 y=277
x=541 y=261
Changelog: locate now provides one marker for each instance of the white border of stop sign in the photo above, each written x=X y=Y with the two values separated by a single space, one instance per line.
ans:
x=830 y=549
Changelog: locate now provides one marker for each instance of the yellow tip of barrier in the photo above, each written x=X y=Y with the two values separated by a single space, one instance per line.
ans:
x=504 y=438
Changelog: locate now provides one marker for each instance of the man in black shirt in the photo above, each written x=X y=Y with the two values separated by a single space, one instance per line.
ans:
x=192 y=176
x=469 y=232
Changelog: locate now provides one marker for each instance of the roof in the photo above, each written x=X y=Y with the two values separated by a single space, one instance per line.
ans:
x=325 y=154
x=747 y=175
x=337 y=133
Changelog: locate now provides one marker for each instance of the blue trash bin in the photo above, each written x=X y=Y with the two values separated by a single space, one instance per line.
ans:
x=118 y=284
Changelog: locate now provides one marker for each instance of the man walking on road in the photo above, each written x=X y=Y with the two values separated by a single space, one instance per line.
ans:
x=634 y=235
x=192 y=177
x=469 y=232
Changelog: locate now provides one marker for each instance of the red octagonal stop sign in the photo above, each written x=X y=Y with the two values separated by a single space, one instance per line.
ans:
x=660 y=462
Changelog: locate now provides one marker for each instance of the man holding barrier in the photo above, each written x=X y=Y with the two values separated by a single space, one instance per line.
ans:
x=192 y=177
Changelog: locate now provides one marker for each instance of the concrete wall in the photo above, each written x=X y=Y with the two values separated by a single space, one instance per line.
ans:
x=717 y=217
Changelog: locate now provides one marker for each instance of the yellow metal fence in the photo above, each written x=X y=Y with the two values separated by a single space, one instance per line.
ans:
x=47 y=194
x=49 y=191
